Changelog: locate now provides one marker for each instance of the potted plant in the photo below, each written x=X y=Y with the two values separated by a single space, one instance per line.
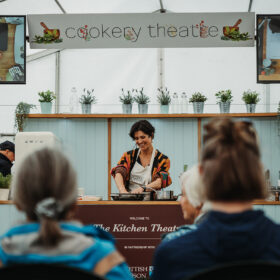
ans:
x=142 y=100
x=198 y=99
x=21 y=112
x=164 y=100
x=127 y=100
x=5 y=182
x=251 y=98
x=224 y=98
x=46 y=98
x=87 y=99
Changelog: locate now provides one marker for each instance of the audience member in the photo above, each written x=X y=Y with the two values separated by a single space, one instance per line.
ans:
x=7 y=156
x=193 y=203
x=233 y=177
x=45 y=188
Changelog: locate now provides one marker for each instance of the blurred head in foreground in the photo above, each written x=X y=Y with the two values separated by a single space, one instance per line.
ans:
x=193 y=195
x=45 y=188
x=231 y=167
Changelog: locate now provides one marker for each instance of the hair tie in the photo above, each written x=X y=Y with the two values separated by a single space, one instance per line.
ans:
x=49 y=208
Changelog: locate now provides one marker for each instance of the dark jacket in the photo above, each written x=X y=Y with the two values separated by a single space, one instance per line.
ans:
x=5 y=165
x=219 y=239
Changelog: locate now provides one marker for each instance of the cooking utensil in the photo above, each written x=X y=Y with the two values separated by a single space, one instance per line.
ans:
x=228 y=29
x=128 y=196
x=165 y=195
x=54 y=32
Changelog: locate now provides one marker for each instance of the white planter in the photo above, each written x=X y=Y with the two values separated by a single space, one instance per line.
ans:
x=198 y=107
x=164 y=109
x=127 y=108
x=251 y=108
x=46 y=107
x=4 y=194
x=86 y=108
x=143 y=108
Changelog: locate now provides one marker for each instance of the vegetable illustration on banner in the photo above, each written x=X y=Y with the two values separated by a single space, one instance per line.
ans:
x=232 y=33
x=83 y=33
x=49 y=36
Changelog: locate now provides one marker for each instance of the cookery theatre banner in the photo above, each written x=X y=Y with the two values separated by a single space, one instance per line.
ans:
x=141 y=30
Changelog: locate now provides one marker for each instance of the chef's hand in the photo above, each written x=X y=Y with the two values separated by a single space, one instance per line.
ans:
x=138 y=190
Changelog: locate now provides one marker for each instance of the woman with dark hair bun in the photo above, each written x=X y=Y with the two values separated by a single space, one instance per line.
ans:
x=232 y=175
x=144 y=168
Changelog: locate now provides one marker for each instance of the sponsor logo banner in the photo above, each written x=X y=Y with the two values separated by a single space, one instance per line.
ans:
x=172 y=30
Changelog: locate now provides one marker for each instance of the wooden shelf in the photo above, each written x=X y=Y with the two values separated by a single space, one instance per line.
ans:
x=108 y=116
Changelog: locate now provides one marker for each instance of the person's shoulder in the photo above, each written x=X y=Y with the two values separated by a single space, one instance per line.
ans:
x=160 y=155
x=182 y=230
x=176 y=244
x=93 y=231
x=102 y=239
x=131 y=152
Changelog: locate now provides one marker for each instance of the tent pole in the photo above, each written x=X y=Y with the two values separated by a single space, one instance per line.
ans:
x=267 y=97
x=161 y=62
x=57 y=81
x=250 y=5
x=161 y=72
x=60 y=6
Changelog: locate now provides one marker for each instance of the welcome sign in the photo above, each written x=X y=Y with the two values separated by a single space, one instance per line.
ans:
x=172 y=30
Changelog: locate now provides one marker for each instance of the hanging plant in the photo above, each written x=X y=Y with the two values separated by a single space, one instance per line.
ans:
x=21 y=112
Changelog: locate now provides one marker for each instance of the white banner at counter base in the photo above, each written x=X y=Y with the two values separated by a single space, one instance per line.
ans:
x=172 y=30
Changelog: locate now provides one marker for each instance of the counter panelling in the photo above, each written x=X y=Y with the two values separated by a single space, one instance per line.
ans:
x=96 y=142
x=137 y=226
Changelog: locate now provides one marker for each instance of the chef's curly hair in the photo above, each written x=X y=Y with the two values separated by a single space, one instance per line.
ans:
x=144 y=126
x=231 y=165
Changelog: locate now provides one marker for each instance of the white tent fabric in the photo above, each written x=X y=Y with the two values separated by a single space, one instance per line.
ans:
x=108 y=70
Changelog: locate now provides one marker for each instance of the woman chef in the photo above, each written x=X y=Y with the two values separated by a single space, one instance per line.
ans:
x=144 y=167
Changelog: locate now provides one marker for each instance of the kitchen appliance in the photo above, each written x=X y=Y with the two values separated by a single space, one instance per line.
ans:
x=165 y=195
x=128 y=196
x=28 y=142
x=153 y=195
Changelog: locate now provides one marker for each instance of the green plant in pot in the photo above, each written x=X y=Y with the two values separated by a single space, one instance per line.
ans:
x=198 y=100
x=5 y=182
x=251 y=98
x=21 y=112
x=46 y=98
x=142 y=100
x=87 y=99
x=224 y=99
x=164 y=100
x=127 y=100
